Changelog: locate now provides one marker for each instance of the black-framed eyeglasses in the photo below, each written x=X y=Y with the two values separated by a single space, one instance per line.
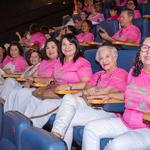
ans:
x=145 y=48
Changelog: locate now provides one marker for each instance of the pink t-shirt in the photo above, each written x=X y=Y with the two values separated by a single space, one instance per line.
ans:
x=137 y=99
x=140 y=1
x=117 y=79
x=72 y=72
x=137 y=14
x=19 y=63
x=97 y=18
x=130 y=32
x=38 y=38
x=85 y=37
x=46 y=68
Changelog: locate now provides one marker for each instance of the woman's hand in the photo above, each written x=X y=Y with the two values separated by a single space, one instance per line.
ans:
x=93 y=91
x=63 y=87
x=102 y=97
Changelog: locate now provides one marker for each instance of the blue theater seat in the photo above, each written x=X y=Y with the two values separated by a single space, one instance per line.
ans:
x=13 y=124
x=111 y=28
x=38 y=139
x=90 y=56
x=103 y=142
x=144 y=26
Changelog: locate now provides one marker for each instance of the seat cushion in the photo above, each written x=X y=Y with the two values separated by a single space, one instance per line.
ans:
x=6 y=144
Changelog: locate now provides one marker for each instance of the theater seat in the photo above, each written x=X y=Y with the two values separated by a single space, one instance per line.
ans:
x=78 y=134
x=103 y=142
x=13 y=124
x=38 y=139
x=143 y=25
x=51 y=120
x=90 y=56
x=111 y=28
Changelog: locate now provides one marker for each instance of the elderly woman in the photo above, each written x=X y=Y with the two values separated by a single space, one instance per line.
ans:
x=70 y=72
x=129 y=131
x=75 y=111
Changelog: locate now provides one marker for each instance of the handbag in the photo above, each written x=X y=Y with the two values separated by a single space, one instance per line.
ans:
x=46 y=93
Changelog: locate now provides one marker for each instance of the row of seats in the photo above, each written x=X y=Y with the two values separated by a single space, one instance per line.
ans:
x=17 y=133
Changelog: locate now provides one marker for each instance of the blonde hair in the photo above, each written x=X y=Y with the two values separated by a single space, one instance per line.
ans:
x=112 y=48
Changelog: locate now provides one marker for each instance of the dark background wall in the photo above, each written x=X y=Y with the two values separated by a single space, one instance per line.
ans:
x=17 y=15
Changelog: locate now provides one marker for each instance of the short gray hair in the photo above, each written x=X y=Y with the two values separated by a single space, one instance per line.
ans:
x=112 y=48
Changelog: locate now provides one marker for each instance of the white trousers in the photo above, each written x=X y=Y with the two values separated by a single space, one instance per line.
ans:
x=22 y=100
x=72 y=112
x=124 y=138
x=8 y=86
x=37 y=107
x=18 y=99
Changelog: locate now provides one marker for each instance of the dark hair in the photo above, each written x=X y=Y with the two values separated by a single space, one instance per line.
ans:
x=33 y=28
x=138 y=65
x=129 y=11
x=44 y=29
x=135 y=3
x=89 y=23
x=72 y=28
x=44 y=55
x=30 y=53
x=14 y=43
x=115 y=8
x=72 y=39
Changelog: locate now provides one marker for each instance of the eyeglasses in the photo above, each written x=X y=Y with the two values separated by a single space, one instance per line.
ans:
x=145 y=48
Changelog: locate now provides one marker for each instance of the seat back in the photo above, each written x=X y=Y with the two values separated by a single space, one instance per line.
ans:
x=143 y=25
x=111 y=28
x=13 y=125
x=90 y=56
x=126 y=59
x=38 y=139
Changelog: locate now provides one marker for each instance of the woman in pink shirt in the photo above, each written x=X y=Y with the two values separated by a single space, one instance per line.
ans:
x=96 y=16
x=74 y=109
x=14 y=62
x=132 y=4
x=43 y=74
x=86 y=35
x=113 y=11
x=71 y=71
x=10 y=84
x=129 y=131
